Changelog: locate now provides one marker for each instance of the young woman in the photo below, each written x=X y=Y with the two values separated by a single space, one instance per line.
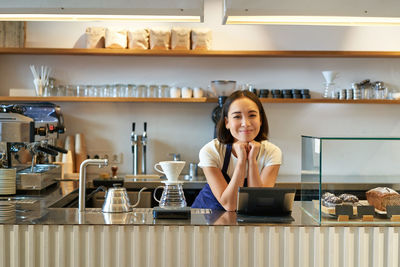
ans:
x=240 y=156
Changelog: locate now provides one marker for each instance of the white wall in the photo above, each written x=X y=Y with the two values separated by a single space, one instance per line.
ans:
x=184 y=128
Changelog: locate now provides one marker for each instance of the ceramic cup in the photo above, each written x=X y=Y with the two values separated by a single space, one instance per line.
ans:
x=175 y=92
x=197 y=92
x=187 y=92
x=171 y=169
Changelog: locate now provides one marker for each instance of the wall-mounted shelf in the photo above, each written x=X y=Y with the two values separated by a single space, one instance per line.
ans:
x=196 y=53
x=104 y=99
x=186 y=100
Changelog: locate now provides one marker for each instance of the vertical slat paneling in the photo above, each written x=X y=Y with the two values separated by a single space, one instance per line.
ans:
x=259 y=247
x=44 y=246
x=363 y=254
x=106 y=247
x=243 y=252
x=91 y=246
x=190 y=246
x=319 y=246
x=30 y=247
x=200 y=246
x=392 y=247
x=288 y=244
x=348 y=247
x=273 y=255
x=229 y=246
x=15 y=246
x=377 y=247
x=121 y=247
x=3 y=232
x=184 y=247
x=303 y=245
x=333 y=245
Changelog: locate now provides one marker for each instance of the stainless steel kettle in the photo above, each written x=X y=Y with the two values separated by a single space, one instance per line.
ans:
x=117 y=200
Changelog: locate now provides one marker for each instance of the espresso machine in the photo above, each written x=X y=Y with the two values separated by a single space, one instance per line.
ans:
x=28 y=136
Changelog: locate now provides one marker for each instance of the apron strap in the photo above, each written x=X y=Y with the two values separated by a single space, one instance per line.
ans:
x=227 y=158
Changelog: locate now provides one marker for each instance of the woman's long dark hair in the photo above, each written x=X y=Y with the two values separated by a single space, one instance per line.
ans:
x=224 y=135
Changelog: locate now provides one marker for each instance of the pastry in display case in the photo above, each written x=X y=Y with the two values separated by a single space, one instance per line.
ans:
x=352 y=180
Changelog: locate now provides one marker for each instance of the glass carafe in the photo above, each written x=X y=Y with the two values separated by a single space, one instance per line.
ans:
x=172 y=196
x=330 y=91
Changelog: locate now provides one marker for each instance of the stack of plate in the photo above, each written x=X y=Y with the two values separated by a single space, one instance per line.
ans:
x=7 y=181
x=7 y=211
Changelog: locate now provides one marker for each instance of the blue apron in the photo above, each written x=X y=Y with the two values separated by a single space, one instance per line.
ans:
x=206 y=199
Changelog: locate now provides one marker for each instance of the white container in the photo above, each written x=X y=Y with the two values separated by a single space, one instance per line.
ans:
x=175 y=92
x=187 y=92
x=198 y=92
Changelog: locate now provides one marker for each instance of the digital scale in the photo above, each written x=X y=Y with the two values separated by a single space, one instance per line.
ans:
x=171 y=213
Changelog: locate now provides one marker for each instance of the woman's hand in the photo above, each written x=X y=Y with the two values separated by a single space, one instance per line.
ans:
x=241 y=149
x=253 y=150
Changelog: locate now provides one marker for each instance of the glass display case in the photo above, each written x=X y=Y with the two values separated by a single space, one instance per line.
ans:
x=351 y=180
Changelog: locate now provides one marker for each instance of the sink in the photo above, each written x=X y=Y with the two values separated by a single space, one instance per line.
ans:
x=144 y=177
x=97 y=200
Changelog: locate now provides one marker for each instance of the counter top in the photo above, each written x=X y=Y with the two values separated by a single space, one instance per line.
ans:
x=34 y=209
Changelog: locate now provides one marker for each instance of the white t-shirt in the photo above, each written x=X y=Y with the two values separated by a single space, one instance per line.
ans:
x=213 y=154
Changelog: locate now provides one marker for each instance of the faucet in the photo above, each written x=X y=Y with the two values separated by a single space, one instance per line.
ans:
x=82 y=179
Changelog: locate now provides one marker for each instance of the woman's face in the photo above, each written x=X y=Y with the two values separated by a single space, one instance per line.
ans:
x=243 y=120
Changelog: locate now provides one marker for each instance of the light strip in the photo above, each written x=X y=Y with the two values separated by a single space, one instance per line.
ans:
x=75 y=17
x=314 y=20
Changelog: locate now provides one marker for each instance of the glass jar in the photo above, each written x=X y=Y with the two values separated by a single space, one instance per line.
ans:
x=70 y=90
x=49 y=89
x=61 y=90
x=81 y=90
x=132 y=90
x=141 y=90
x=152 y=91
x=163 y=91
x=330 y=91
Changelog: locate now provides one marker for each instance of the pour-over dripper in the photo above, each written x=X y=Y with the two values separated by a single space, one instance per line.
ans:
x=329 y=85
x=329 y=76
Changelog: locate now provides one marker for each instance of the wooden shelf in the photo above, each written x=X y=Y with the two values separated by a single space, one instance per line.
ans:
x=104 y=99
x=186 y=100
x=195 y=53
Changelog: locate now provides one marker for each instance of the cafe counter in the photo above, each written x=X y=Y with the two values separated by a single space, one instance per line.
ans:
x=40 y=236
